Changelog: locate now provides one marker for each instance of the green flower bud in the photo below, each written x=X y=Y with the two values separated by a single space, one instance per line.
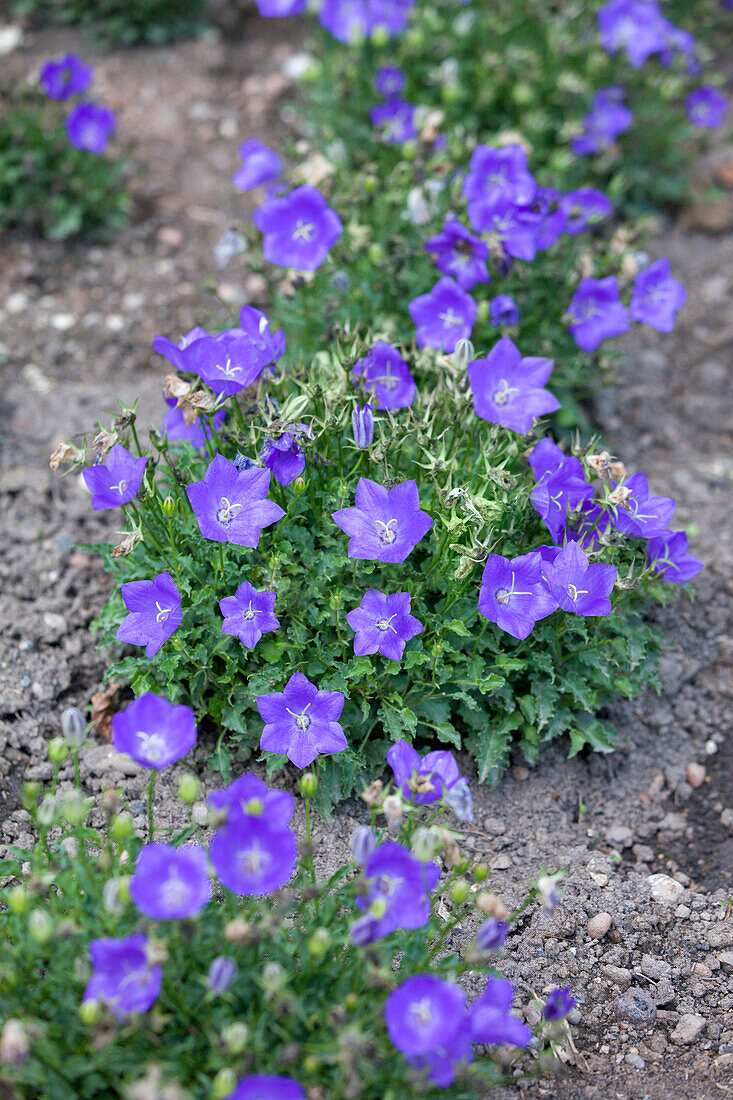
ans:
x=375 y=253
x=300 y=485
x=370 y=184
x=122 y=827
x=308 y=784
x=351 y=1001
x=319 y=942
x=524 y=94
x=482 y=313
x=58 y=750
x=170 y=506
x=310 y=1063
x=424 y=844
x=409 y=150
x=481 y=872
x=460 y=891
x=235 y=1037
x=18 y=900
x=31 y=791
x=189 y=788
x=223 y=1084
x=450 y=93
x=49 y=812
x=380 y=35
x=74 y=727
x=40 y=926
x=75 y=807
x=90 y=1013
x=414 y=38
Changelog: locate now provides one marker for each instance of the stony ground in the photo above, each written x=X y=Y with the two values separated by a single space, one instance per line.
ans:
x=649 y=959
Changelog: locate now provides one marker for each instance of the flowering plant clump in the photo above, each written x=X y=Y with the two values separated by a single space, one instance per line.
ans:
x=122 y=22
x=220 y=961
x=53 y=178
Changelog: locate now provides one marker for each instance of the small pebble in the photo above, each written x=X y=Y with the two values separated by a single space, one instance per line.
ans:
x=665 y=890
x=599 y=925
x=635 y=1060
x=636 y=1006
x=695 y=774
x=689 y=1027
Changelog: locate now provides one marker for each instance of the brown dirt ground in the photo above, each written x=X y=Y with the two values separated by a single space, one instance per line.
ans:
x=76 y=324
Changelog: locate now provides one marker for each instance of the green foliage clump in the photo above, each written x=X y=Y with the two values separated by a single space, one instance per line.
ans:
x=123 y=22
x=305 y=1000
x=47 y=186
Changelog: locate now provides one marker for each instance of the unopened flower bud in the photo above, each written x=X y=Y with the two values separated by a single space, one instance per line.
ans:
x=370 y=184
x=189 y=788
x=300 y=485
x=40 y=926
x=362 y=843
x=274 y=977
x=90 y=1012
x=393 y=809
x=235 y=1037
x=481 y=872
x=424 y=844
x=548 y=892
x=351 y=1001
x=75 y=807
x=492 y=906
x=48 y=813
x=459 y=891
x=200 y=814
x=319 y=942
x=112 y=896
x=222 y=972
x=18 y=900
x=74 y=727
x=308 y=784
x=170 y=506
x=492 y=934
x=223 y=1084
x=58 y=750
x=14 y=1043
x=380 y=35
x=362 y=422
x=375 y=253
x=238 y=931
x=463 y=354
x=122 y=827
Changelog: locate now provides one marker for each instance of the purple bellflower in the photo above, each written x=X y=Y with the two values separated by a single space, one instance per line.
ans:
x=122 y=978
x=252 y=856
x=398 y=893
x=249 y=796
x=299 y=228
x=706 y=107
x=387 y=375
x=426 y=779
x=171 y=883
x=153 y=731
x=577 y=585
x=657 y=296
x=503 y=310
x=636 y=26
x=173 y=351
x=231 y=506
x=444 y=316
x=607 y=119
x=284 y=455
x=301 y=722
x=362 y=424
x=426 y=1020
x=513 y=229
x=389 y=81
x=155 y=612
x=89 y=126
x=459 y=253
x=117 y=481
x=260 y=164
x=265 y=1086
x=221 y=974
x=492 y=934
x=176 y=430
x=248 y=614
x=584 y=209
x=385 y=524
x=227 y=363
x=349 y=20
x=512 y=593
x=395 y=121
x=491 y=1017
x=560 y=485
x=667 y=554
x=559 y=1002
x=508 y=389
x=499 y=174
x=597 y=312
x=641 y=515
x=67 y=77
x=256 y=325
x=383 y=624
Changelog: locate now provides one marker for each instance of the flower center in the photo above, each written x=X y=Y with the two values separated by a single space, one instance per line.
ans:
x=422 y=1014
x=302 y=720
x=574 y=592
x=228 y=370
x=388 y=380
x=174 y=893
x=152 y=744
x=254 y=859
x=120 y=486
x=450 y=318
x=386 y=535
x=505 y=393
x=227 y=512
x=303 y=230
x=250 y=612
x=386 y=624
x=503 y=595
x=163 y=613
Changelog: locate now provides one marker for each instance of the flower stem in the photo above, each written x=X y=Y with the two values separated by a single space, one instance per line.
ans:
x=151 y=800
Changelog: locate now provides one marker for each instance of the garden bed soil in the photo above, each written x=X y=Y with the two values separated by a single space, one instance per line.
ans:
x=655 y=992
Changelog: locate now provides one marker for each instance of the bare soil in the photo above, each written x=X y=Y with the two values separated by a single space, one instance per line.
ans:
x=76 y=325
